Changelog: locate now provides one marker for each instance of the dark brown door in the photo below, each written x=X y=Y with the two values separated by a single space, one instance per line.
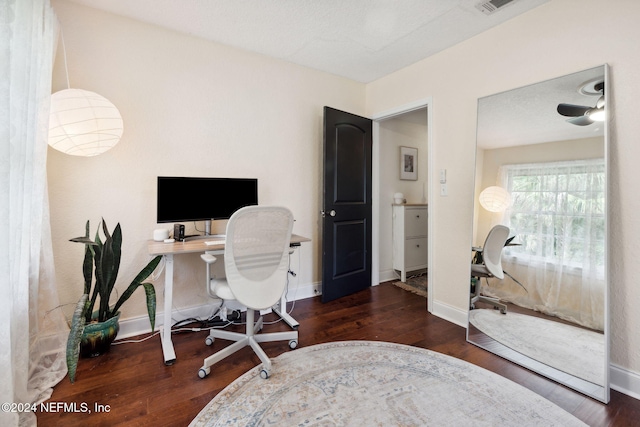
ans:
x=346 y=222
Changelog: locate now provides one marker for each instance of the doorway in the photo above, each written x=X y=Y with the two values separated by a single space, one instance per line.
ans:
x=410 y=126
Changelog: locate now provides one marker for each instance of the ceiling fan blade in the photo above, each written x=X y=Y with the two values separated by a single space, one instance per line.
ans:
x=571 y=110
x=580 y=121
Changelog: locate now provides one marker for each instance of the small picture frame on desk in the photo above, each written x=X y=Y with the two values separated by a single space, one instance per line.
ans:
x=408 y=163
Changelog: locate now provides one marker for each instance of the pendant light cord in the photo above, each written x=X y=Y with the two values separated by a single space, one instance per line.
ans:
x=64 y=53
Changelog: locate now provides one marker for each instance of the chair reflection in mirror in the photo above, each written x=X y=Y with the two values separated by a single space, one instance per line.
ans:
x=490 y=266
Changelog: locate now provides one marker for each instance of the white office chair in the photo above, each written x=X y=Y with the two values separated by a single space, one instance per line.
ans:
x=491 y=265
x=256 y=266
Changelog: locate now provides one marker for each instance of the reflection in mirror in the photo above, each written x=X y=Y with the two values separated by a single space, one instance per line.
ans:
x=546 y=148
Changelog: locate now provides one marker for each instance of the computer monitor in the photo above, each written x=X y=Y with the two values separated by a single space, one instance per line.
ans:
x=182 y=199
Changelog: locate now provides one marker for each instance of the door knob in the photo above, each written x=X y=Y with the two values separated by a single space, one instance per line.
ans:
x=331 y=213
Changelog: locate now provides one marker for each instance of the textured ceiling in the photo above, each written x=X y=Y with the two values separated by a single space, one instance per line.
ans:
x=528 y=115
x=359 y=39
x=367 y=39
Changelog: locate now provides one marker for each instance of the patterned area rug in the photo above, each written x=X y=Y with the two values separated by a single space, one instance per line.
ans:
x=365 y=383
x=415 y=284
x=546 y=341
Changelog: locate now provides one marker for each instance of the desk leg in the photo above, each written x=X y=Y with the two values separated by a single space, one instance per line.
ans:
x=165 y=333
x=281 y=310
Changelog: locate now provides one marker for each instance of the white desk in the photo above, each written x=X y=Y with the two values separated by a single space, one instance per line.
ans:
x=168 y=250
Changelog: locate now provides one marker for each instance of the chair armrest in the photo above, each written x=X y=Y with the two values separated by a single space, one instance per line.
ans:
x=208 y=258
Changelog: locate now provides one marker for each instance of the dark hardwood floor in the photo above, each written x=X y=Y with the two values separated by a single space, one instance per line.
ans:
x=141 y=391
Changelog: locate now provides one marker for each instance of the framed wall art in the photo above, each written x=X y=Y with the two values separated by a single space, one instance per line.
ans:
x=409 y=163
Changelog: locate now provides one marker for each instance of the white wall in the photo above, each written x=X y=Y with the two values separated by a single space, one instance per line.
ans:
x=190 y=108
x=557 y=38
x=406 y=130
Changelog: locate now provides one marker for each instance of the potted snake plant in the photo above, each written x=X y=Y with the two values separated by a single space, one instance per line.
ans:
x=94 y=324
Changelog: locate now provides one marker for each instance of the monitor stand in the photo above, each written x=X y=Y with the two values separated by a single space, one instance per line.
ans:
x=207 y=234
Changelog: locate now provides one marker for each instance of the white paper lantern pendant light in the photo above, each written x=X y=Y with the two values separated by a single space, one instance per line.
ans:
x=83 y=123
x=495 y=199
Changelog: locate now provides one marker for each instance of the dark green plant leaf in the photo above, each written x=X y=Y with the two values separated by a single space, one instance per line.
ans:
x=84 y=239
x=75 y=336
x=87 y=269
x=106 y=261
x=104 y=272
x=87 y=265
x=149 y=290
x=116 y=246
x=150 y=293
x=91 y=303
x=97 y=254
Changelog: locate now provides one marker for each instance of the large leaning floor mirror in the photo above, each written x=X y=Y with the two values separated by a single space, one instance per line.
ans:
x=538 y=285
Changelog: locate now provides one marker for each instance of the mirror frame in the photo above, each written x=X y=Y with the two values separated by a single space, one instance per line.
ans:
x=478 y=338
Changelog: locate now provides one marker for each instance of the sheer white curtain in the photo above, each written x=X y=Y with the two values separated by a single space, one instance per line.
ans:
x=558 y=217
x=32 y=332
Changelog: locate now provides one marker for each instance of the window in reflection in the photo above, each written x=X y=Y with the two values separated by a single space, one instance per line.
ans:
x=558 y=211
x=557 y=217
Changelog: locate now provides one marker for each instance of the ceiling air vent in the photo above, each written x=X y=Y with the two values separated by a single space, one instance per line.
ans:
x=492 y=6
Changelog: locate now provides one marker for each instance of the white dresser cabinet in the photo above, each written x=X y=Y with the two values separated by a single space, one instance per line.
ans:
x=409 y=238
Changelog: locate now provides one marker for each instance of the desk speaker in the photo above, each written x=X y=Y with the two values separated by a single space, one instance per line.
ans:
x=178 y=232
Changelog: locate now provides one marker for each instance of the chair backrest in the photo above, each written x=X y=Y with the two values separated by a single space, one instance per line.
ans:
x=256 y=254
x=492 y=250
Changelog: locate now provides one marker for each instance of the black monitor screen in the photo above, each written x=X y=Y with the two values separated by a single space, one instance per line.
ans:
x=198 y=199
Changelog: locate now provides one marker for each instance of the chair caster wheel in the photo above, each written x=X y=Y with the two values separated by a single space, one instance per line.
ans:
x=503 y=311
x=202 y=373
x=264 y=374
x=209 y=341
x=293 y=344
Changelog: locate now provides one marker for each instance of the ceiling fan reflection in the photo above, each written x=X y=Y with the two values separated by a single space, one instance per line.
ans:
x=582 y=115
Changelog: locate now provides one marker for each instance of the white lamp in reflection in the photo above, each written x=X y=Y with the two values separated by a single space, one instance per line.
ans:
x=495 y=199
x=83 y=123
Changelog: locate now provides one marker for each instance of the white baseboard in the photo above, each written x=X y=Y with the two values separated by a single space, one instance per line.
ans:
x=388 y=275
x=305 y=291
x=624 y=381
x=450 y=313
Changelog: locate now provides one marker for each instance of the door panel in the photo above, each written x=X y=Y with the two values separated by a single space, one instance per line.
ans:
x=346 y=222
x=351 y=168
x=348 y=256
